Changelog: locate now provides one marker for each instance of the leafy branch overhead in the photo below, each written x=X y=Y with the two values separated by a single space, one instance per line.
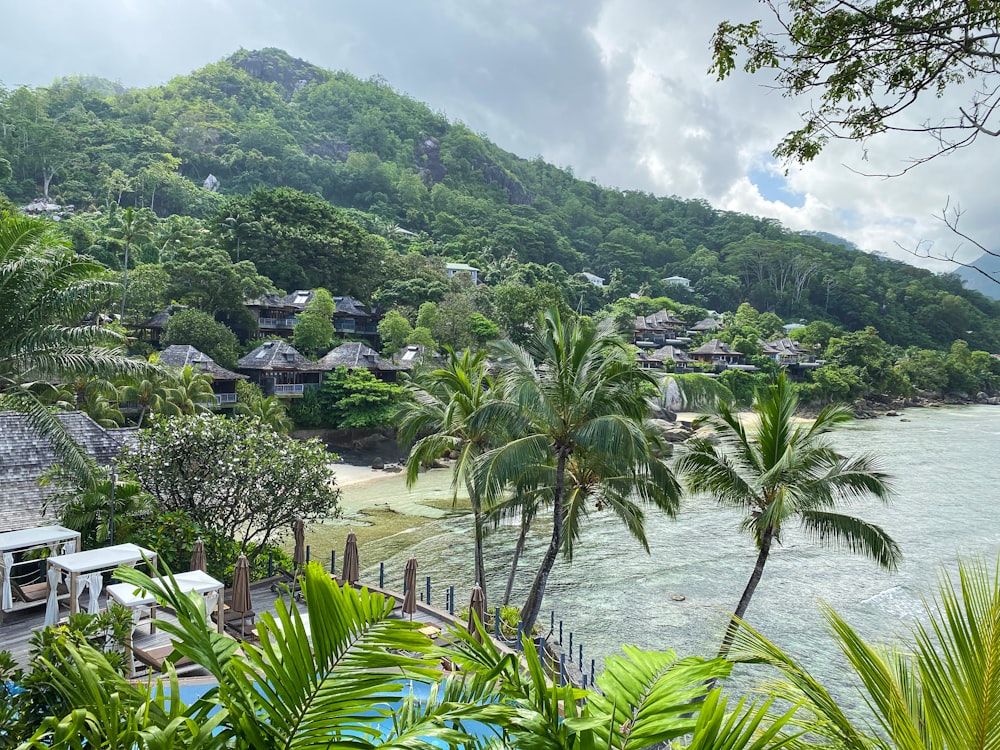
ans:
x=872 y=66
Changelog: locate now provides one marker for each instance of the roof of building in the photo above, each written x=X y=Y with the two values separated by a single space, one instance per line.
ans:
x=296 y=301
x=276 y=355
x=350 y=306
x=670 y=352
x=660 y=319
x=182 y=355
x=459 y=267
x=25 y=456
x=160 y=319
x=355 y=354
x=706 y=324
x=715 y=347
x=788 y=346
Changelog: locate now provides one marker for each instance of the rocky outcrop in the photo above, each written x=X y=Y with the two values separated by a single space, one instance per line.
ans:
x=494 y=174
x=428 y=159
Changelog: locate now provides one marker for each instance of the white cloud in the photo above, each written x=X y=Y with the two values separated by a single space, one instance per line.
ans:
x=617 y=89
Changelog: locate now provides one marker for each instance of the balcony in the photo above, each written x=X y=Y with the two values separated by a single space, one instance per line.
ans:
x=225 y=398
x=277 y=322
x=290 y=389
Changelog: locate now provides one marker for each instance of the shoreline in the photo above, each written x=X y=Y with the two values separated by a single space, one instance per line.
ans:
x=350 y=475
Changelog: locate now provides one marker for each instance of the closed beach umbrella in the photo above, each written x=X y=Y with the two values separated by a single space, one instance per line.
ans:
x=241 y=605
x=478 y=605
x=299 y=555
x=351 y=562
x=410 y=583
x=198 y=557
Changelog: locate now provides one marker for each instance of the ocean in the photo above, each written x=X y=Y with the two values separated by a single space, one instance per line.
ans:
x=945 y=469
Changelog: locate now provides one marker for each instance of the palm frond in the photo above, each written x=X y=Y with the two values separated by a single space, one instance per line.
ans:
x=855 y=535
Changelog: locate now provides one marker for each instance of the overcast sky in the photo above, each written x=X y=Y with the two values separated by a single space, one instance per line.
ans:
x=616 y=89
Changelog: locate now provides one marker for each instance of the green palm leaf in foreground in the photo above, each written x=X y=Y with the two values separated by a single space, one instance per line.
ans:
x=941 y=692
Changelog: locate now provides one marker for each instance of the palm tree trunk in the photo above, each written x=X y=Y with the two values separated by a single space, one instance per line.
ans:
x=124 y=283
x=478 y=520
x=533 y=604
x=741 y=608
x=518 y=549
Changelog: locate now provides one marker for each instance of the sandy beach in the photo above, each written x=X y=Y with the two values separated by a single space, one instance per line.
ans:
x=350 y=474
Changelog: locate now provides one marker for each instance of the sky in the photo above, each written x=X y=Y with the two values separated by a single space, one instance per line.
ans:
x=616 y=90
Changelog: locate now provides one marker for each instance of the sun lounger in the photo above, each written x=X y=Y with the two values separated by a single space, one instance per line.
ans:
x=30 y=592
x=156 y=658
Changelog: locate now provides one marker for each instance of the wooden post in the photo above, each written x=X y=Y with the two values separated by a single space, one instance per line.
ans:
x=428 y=599
x=381 y=575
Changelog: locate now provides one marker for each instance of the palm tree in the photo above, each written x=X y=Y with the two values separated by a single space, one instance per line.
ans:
x=86 y=509
x=270 y=410
x=239 y=228
x=937 y=690
x=777 y=471
x=574 y=390
x=46 y=292
x=130 y=226
x=191 y=391
x=441 y=410
x=151 y=393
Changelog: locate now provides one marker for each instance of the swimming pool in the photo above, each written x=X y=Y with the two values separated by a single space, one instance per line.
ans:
x=190 y=693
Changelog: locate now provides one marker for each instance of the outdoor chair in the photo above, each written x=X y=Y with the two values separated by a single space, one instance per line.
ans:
x=156 y=658
x=29 y=592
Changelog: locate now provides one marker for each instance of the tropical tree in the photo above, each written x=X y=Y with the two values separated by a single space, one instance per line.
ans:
x=239 y=228
x=233 y=476
x=440 y=413
x=130 y=226
x=574 y=390
x=935 y=690
x=152 y=393
x=269 y=410
x=191 y=391
x=46 y=293
x=777 y=470
x=88 y=509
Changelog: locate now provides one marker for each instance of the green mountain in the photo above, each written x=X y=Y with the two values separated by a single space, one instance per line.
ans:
x=260 y=120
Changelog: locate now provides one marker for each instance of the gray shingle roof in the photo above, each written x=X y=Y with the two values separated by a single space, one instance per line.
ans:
x=714 y=347
x=25 y=456
x=354 y=354
x=179 y=355
x=277 y=355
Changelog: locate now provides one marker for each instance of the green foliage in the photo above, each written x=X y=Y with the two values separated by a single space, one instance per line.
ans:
x=269 y=410
x=204 y=333
x=236 y=476
x=354 y=397
x=934 y=688
x=314 y=333
x=899 y=54
x=305 y=242
x=776 y=471
x=47 y=291
x=394 y=330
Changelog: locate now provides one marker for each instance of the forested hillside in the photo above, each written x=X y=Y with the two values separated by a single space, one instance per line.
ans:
x=413 y=186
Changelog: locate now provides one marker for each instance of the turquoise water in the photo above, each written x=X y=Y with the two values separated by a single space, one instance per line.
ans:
x=382 y=720
x=946 y=472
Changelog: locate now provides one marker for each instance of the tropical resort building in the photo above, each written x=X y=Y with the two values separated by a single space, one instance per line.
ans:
x=223 y=380
x=280 y=370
